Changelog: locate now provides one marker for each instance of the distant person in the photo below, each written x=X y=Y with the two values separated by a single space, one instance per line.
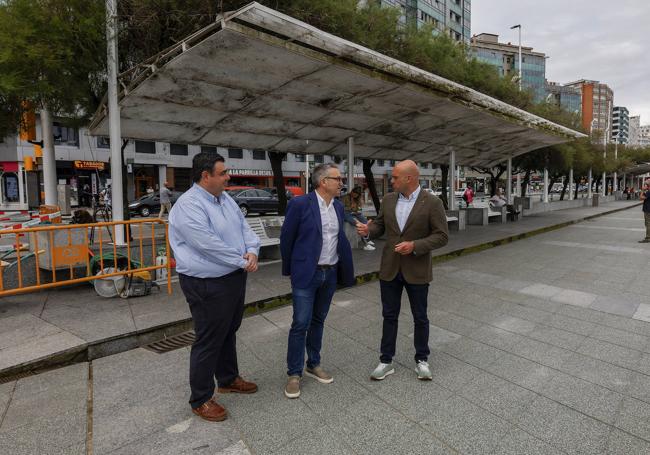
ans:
x=149 y=190
x=645 y=197
x=317 y=256
x=215 y=249
x=468 y=195
x=414 y=223
x=165 y=200
x=498 y=200
x=352 y=204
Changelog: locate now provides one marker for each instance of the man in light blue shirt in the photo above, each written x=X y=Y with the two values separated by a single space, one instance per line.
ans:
x=214 y=248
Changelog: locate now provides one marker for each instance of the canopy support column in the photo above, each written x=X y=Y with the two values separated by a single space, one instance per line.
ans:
x=350 y=164
x=452 y=180
x=545 y=186
x=509 y=182
x=571 y=184
x=590 y=181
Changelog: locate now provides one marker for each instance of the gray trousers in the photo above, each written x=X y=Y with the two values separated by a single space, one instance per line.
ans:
x=647 y=225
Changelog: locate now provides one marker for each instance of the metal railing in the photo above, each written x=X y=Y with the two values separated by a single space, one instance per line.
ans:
x=61 y=248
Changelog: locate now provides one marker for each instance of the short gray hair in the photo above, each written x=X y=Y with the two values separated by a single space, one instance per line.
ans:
x=320 y=171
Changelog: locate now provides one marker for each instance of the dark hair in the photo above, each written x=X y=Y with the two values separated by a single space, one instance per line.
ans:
x=204 y=161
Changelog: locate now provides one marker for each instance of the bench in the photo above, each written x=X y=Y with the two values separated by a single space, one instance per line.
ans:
x=257 y=226
x=480 y=216
x=456 y=220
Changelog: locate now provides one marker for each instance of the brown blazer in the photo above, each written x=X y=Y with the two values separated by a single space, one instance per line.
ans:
x=426 y=226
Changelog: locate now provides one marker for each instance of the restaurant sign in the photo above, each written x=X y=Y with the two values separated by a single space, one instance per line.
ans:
x=89 y=165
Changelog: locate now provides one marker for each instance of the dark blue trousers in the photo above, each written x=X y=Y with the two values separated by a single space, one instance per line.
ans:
x=391 y=301
x=217 y=307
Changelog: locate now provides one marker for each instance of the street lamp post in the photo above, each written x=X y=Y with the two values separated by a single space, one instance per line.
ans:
x=518 y=26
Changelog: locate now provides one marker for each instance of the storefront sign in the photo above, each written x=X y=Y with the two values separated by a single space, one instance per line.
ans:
x=251 y=172
x=90 y=165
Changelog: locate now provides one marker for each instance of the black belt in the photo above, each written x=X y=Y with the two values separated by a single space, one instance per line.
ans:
x=325 y=266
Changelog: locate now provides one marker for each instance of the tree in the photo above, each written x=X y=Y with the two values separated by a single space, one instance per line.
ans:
x=370 y=181
x=495 y=174
x=276 y=159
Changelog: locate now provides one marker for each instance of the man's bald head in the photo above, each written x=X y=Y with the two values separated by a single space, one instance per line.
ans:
x=406 y=177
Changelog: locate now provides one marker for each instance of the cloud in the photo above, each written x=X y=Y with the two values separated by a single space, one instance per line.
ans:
x=586 y=39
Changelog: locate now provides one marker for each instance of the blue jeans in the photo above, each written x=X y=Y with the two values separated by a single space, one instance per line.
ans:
x=310 y=307
x=352 y=217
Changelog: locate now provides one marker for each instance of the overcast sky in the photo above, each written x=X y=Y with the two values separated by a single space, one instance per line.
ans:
x=603 y=40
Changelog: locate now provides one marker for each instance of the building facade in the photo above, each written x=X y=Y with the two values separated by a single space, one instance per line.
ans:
x=620 y=125
x=597 y=106
x=635 y=126
x=505 y=57
x=82 y=162
x=568 y=98
x=644 y=136
x=452 y=17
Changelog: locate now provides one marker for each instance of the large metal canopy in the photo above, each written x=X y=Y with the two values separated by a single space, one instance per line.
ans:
x=638 y=169
x=259 y=79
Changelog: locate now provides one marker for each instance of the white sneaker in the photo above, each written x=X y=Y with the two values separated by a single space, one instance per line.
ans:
x=382 y=370
x=423 y=371
x=369 y=247
x=370 y=242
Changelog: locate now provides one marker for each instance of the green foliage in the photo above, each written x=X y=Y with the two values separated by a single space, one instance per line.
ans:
x=52 y=53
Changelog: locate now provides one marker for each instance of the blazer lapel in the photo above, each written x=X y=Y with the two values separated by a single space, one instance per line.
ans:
x=416 y=208
x=313 y=204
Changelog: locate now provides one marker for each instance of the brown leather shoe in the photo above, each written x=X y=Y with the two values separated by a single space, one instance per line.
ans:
x=239 y=386
x=211 y=410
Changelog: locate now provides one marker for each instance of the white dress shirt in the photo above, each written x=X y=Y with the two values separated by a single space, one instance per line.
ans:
x=330 y=224
x=404 y=207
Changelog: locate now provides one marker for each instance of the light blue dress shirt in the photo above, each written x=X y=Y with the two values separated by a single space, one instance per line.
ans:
x=404 y=207
x=209 y=235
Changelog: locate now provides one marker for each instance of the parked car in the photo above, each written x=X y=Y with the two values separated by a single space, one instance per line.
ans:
x=274 y=191
x=254 y=200
x=150 y=204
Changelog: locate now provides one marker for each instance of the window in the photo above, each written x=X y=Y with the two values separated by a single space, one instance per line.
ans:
x=145 y=147
x=103 y=142
x=391 y=163
x=319 y=159
x=10 y=187
x=178 y=149
x=259 y=154
x=380 y=163
x=65 y=135
x=299 y=158
x=208 y=149
x=236 y=154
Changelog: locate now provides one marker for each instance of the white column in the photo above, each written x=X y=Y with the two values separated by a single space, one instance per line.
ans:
x=451 y=198
x=162 y=175
x=518 y=192
x=350 y=163
x=509 y=182
x=603 y=189
x=615 y=182
x=571 y=184
x=545 y=185
x=49 y=160
x=590 y=181
x=114 y=128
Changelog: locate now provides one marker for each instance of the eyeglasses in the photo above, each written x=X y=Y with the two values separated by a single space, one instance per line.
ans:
x=338 y=179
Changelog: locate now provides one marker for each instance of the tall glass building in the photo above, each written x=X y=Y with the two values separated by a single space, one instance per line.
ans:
x=505 y=56
x=452 y=17
x=597 y=106
x=620 y=125
x=568 y=98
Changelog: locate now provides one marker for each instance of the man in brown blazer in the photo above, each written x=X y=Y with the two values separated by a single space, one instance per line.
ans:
x=415 y=223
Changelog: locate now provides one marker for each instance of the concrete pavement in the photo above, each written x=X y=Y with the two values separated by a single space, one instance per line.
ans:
x=538 y=347
x=70 y=324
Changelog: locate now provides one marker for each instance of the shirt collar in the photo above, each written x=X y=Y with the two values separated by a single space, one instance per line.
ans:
x=414 y=195
x=321 y=201
x=210 y=197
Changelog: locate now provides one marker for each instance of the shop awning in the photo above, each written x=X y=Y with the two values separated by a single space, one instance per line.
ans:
x=260 y=79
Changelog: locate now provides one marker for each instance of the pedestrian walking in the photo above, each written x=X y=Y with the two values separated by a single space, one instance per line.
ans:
x=645 y=197
x=165 y=200
x=414 y=223
x=317 y=256
x=215 y=249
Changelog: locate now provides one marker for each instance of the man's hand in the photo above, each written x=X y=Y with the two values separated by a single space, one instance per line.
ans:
x=251 y=266
x=362 y=229
x=405 y=248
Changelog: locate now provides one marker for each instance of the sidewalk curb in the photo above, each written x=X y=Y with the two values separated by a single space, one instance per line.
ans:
x=125 y=342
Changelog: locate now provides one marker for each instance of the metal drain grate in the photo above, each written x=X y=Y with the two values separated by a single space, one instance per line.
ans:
x=169 y=344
